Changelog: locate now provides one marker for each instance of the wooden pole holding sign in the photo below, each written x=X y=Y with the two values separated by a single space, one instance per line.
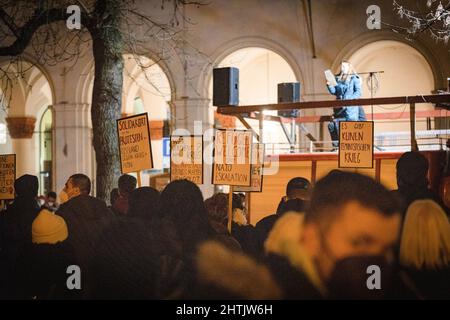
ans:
x=412 y=120
x=139 y=182
x=230 y=209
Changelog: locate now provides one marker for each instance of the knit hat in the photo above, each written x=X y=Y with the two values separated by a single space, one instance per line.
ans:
x=48 y=228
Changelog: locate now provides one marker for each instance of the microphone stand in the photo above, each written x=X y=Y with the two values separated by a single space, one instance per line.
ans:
x=372 y=75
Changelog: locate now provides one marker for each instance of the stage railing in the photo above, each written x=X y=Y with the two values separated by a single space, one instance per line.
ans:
x=248 y=111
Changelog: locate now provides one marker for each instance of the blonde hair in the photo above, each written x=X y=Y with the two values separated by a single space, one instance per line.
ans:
x=351 y=71
x=425 y=241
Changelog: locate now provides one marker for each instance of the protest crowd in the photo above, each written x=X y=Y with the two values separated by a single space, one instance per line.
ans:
x=176 y=245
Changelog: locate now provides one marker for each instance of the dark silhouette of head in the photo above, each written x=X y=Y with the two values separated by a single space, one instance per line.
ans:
x=26 y=186
x=298 y=188
x=412 y=170
x=217 y=208
x=82 y=182
x=182 y=204
x=127 y=183
x=144 y=203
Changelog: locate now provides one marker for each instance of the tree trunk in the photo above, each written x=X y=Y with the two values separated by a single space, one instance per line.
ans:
x=107 y=96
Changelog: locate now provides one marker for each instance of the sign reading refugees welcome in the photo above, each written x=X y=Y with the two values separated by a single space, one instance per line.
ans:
x=7 y=176
x=232 y=154
x=186 y=158
x=257 y=170
x=356 y=144
x=134 y=143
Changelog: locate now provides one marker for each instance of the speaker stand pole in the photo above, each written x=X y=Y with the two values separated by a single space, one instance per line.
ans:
x=293 y=135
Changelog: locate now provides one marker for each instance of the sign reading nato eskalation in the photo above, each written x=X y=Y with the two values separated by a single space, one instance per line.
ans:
x=134 y=143
x=356 y=144
x=232 y=155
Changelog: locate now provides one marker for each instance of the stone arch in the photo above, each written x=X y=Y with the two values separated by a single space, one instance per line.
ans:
x=234 y=45
x=373 y=36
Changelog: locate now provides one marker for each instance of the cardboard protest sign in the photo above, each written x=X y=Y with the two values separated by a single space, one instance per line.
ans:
x=7 y=176
x=186 y=158
x=232 y=154
x=257 y=166
x=134 y=143
x=356 y=144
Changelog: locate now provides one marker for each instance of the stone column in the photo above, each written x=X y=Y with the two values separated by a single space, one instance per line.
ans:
x=74 y=152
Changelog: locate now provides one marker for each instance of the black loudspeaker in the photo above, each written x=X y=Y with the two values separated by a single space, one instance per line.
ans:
x=289 y=92
x=225 y=87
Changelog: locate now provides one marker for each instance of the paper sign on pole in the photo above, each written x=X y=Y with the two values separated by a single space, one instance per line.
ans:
x=232 y=154
x=257 y=170
x=134 y=143
x=7 y=176
x=356 y=144
x=186 y=158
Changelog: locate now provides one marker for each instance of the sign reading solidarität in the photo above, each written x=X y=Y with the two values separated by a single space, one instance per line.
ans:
x=186 y=158
x=7 y=176
x=356 y=144
x=232 y=154
x=134 y=143
x=257 y=170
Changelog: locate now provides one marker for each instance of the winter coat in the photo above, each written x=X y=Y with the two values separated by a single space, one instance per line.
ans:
x=346 y=90
x=407 y=195
x=224 y=237
x=138 y=259
x=44 y=268
x=16 y=232
x=86 y=217
x=221 y=273
x=121 y=206
x=247 y=238
x=422 y=284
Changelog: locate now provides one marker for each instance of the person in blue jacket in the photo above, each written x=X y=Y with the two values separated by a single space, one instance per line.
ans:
x=348 y=87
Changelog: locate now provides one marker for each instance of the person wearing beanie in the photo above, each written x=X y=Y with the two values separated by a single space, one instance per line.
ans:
x=48 y=228
x=49 y=257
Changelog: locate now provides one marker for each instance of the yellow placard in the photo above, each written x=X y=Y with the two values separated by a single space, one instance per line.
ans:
x=186 y=158
x=232 y=154
x=356 y=144
x=257 y=170
x=7 y=176
x=134 y=143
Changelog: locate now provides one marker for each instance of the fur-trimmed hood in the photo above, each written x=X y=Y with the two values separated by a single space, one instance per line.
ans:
x=284 y=240
x=234 y=273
